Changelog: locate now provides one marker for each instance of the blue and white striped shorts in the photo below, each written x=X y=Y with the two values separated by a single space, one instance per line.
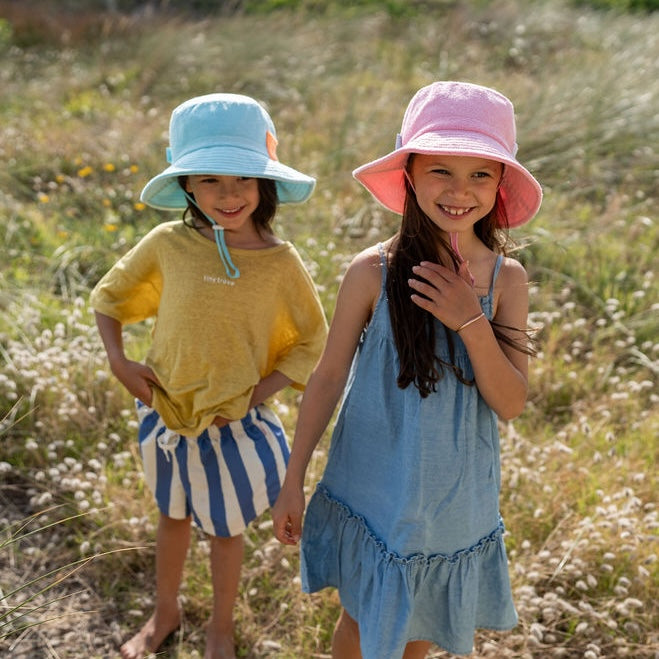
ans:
x=224 y=478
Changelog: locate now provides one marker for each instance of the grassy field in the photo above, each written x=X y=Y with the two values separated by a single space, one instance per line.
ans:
x=84 y=109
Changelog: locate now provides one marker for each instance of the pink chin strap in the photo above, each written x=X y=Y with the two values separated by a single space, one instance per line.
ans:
x=456 y=249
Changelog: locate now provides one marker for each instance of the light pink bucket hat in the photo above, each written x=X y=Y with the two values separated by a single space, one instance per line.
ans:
x=461 y=119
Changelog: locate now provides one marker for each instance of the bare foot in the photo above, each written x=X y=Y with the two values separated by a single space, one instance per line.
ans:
x=219 y=645
x=156 y=629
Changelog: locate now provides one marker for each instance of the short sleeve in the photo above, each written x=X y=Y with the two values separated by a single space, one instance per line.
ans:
x=130 y=291
x=305 y=324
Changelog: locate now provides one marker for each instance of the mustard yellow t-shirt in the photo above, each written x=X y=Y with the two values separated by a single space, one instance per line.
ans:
x=214 y=338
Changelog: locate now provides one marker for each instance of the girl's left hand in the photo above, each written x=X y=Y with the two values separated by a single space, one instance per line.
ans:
x=447 y=295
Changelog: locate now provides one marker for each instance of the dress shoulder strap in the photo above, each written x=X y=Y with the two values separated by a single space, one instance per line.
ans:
x=495 y=274
x=383 y=265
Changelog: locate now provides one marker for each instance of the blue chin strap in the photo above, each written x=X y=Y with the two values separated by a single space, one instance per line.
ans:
x=229 y=267
x=218 y=231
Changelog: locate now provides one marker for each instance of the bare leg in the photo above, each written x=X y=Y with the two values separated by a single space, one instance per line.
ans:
x=172 y=541
x=416 y=649
x=226 y=561
x=345 y=642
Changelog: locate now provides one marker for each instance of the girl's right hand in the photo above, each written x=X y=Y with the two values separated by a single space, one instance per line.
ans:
x=138 y=378
x=287 y=514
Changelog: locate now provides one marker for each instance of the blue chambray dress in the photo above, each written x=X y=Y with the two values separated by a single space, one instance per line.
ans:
x=405 y=521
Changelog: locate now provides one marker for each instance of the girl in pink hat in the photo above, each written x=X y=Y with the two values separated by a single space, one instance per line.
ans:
x=427 y=349
x=237 y=318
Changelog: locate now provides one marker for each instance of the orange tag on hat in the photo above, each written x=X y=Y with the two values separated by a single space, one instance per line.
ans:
x=271 y=145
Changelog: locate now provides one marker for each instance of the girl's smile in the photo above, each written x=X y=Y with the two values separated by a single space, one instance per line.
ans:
x=230 y=212
x=455 y=212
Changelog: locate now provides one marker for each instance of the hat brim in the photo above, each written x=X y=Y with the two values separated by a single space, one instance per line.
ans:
x=384 y=178
x=164 y=192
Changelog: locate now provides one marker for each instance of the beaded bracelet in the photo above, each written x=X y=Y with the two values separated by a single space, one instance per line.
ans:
x=469 y=322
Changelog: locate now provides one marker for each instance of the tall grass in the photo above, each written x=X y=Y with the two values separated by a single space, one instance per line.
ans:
x=83 y=126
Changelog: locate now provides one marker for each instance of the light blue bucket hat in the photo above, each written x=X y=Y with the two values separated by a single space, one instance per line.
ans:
x=227 y=134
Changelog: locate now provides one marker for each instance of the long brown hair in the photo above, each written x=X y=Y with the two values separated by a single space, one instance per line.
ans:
x=419 y=239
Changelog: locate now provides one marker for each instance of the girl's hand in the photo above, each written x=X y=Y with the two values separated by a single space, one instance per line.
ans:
x=445 y=294
x=287 y=514
x=138 y=378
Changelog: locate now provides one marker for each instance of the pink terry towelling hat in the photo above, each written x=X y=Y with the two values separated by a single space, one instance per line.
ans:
x=457 y=119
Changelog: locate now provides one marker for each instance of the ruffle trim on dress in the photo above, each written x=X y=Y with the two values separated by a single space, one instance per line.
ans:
x=396 y=599
x=392 y=557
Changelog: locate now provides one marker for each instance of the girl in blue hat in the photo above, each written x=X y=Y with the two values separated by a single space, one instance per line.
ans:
x=237 y=318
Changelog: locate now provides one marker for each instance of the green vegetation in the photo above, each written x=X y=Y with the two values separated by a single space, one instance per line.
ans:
x=86 y=99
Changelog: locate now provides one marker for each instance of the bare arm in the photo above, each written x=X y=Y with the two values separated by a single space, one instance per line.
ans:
x=136 y=377
x=357 y=296
x=501 y=372
x=267 y=387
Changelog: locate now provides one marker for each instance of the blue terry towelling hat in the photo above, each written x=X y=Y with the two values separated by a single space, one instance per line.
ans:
x=227 y=134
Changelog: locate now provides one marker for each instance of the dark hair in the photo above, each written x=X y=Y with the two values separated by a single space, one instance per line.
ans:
x=262 y=216
x=419 y=239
